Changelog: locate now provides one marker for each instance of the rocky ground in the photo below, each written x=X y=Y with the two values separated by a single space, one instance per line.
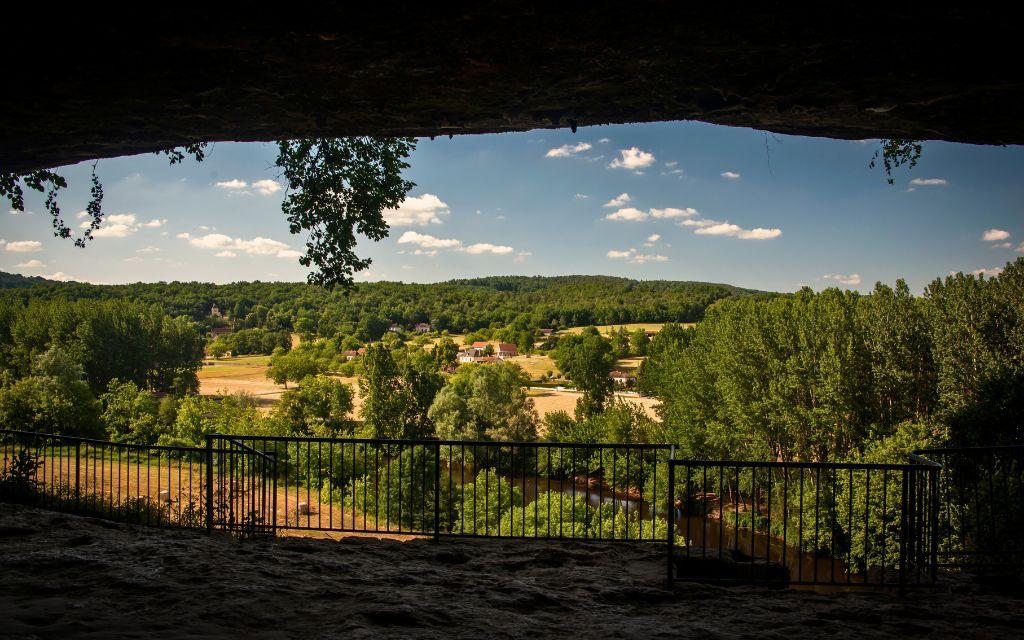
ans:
x=66 y=576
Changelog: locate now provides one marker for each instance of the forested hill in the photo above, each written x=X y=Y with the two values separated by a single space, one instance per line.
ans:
x=456 y=305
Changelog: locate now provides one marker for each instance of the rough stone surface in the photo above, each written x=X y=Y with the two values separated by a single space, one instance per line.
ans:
x=81 y=84
x=71 y=577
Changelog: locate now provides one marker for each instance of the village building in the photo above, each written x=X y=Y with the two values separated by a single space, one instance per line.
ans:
x=396 y=328
x=623 y=378
x=215 y=311
x=350 y=355
x=505 y=350
x=422 y=327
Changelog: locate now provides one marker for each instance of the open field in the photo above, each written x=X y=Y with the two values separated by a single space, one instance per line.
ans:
x=606 y=329
x=69 y=577
x=549 y=400
x=249 y=374
x=535 y=366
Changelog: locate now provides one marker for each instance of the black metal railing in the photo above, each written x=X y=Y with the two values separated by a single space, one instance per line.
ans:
x=143 y=484
x=467 y=488
x=980 y=511
x=242 y=487
x=803 y=523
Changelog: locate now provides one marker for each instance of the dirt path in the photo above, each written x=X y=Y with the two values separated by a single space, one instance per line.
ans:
x=70 y=577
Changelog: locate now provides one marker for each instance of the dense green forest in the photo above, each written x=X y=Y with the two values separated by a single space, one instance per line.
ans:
x=456 y=306
x=835 y=375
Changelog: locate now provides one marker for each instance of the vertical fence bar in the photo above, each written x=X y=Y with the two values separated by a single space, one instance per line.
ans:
x=672 y=520
x=437 y=492
x=209 y=484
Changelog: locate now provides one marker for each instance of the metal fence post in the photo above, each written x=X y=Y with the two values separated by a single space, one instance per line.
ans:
x=671 y=518
x=437 y=494
x=209 y=484
x=934 y=482
x=78 y=474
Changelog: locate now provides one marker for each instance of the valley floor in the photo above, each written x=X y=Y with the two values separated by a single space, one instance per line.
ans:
x=66 y=576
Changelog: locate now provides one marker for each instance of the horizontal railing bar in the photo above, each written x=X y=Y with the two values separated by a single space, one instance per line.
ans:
x=110 y=443
x=796 y=465
x=454 y=443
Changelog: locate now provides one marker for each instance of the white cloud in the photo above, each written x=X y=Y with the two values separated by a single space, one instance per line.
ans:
x=633 y=256
x=633 y=159
x=485 y=247
x=989 y=273
x=428 y=241
x=148 y=249
x=849 y=280
x=735 y=231
x=671 y=212
x=697 y=222
x=568 y=150
x=994 y=235
x=618 y=200
x=628 y=214
x=604 y=141
x=226 y=244
x=1020 y=248
x=521 y=256
x=730 y=175
x=226 y=254
x=928 y=182
x=651 y=239
x=233 y=184
x=32 y=264
x=1002 y=245
x=417 y=211
x=80 y=215
x=671 y=163
x=578 y=196
x=59 y=276
x=23 y=246
x=266 y=187
x=120 y=225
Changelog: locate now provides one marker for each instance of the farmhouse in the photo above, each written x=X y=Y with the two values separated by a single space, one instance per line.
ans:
x=623 y=378
x=422 y=327
x=350 y=355
x=506 y=350
x=397 y=328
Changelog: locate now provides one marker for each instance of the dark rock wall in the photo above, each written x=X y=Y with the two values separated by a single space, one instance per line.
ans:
x=95 y=82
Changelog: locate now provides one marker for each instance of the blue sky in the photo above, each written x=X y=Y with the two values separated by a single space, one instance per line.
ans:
x=702 y=202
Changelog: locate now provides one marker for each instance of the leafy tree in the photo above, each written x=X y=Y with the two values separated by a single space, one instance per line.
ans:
x=285 y=366
x=383 y=397
x=445 y=354
x=587 y=360
x=53 y=399
x=131 y=414
x=485 y=402
x=337 y=187
x=318 y=406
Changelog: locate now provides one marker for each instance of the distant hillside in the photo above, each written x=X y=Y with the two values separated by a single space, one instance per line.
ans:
x=18 y=281
x=456 y=305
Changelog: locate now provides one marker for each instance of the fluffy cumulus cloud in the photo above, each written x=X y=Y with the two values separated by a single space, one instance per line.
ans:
x=627 y=214
x=618 y=200
x=22 y=246
x=671 y=212
x=486 y=247
x=632 y=159
x=32 y=264
x=849 y=280
x=928 y=182
x=428 y=242
x=736 y=231
x=428 y=245
x=568 y=150
x=417 y=211
x=60 y=276
x=651 y=239
x=730 y=175
x=578 y=196
x=988 y=273
x=120 y=225
x=228 y=247
x=633 y=256
x=995 y=235
x=265 y=187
